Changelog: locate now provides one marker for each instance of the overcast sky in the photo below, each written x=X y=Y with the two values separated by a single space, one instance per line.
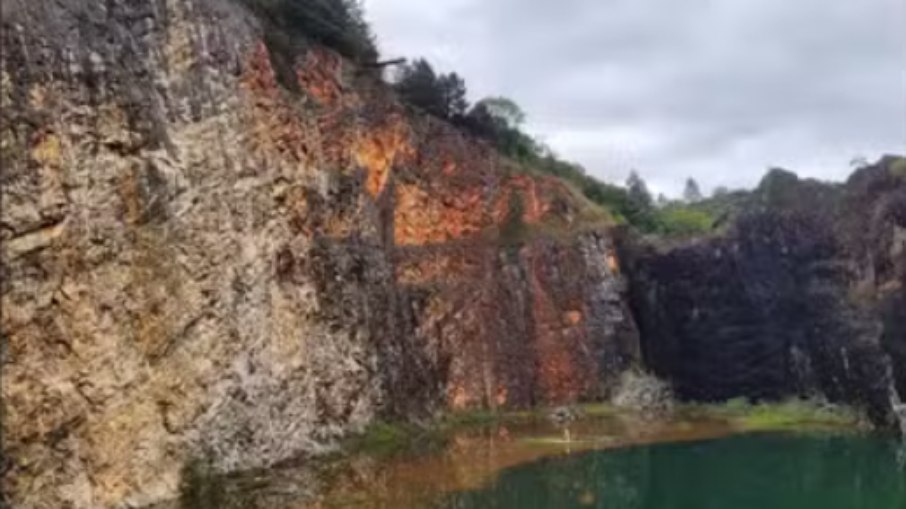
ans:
x=713 y=89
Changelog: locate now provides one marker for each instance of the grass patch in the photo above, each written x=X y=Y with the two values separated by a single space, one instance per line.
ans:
x=683 y=221
x=384 y=439
x=459 y=420
x=785 y=415
x=598 y=410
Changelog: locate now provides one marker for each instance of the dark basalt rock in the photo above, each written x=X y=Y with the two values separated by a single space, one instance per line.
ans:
x=802 y=295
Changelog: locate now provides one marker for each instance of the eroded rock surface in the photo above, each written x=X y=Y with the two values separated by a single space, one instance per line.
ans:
x=197 y=261
x=803 y=295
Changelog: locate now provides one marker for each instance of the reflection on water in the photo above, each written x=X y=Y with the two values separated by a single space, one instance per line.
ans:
x=473 y=458
x=611 y=463
x=744 y=472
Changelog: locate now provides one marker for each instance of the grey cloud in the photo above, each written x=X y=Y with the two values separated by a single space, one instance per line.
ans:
x=715 y=89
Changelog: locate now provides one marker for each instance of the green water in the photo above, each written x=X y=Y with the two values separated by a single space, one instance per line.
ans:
x=745 y=472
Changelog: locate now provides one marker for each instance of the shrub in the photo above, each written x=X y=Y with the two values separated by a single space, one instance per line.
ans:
x=683 y=221
x=790 y=414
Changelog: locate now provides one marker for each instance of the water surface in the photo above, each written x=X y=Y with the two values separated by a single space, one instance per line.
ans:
x=610 y=462
x=741 y=472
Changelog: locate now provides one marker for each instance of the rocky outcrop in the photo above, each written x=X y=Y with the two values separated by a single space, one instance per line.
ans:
x=803 y=295
x=197 y=261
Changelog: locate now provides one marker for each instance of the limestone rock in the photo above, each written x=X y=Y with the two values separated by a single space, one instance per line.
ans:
x=199 y=262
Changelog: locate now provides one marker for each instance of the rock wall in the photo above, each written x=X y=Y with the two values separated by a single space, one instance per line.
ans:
x=197 y=261
x=803 y=295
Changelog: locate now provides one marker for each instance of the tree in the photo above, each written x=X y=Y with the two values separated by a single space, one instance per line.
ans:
x=339 y=24
x=638 y=190
x=504 y=109
x=352 y=20
x=480 y=122
x=639 y=207
x=497 y=120
x=453 y=94
x=441 y=95
x=692 y=193
x=779 y=188
x=418 y=84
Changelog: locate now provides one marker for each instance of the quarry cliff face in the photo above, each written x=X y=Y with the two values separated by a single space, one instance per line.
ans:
x=197 y=261
x=803 y=295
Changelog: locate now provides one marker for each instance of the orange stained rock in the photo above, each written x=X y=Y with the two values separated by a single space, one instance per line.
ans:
x=449 y=168
x=274 y=125
x=612 y=263
x=378 y=150
x=259 y=76
x=320 y=76
x=338 y=139
x=420 y=218
x=562 y=375
x=501 y=397
x=458 y=397
x=572 y=317
x=534 y=206
x=560 y=381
